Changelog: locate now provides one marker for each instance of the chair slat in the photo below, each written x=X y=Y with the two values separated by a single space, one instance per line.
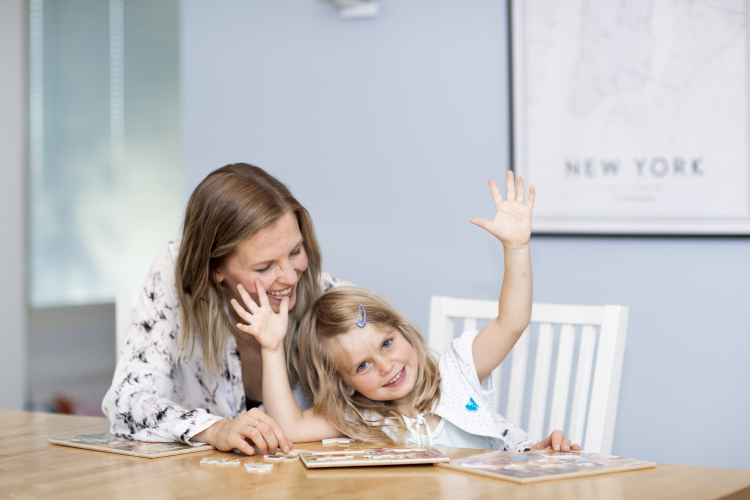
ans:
x=606 y=386
x=541 y=380
x=440 y=324
x=567 y=315
x=562 y=379
x=583 y=380
x=520 y=354
x=470 y=324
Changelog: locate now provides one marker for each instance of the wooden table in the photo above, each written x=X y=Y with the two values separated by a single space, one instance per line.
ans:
x=32 y=468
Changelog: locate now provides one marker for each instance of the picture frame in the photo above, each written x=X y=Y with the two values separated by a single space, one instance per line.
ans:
x=626 y=121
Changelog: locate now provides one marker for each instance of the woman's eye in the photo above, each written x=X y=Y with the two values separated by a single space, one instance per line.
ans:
x=362 y=366
x=296 y=252
x=387 y=344
x=264 y=269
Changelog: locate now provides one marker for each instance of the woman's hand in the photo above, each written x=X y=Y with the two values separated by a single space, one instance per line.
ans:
x=265 y=325
x=556 y=442
x=512 y=222
x=254 y=427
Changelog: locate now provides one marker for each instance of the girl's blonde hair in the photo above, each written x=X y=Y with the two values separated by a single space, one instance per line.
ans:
x=229 y=206
x=334 y=314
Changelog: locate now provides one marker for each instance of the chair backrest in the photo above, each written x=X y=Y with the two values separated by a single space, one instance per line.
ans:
x=124 y=305
x=593 y=430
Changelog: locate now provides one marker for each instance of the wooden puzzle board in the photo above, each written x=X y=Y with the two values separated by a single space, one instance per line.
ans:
x=544 y=465
x=112 y=444
x=369 y=457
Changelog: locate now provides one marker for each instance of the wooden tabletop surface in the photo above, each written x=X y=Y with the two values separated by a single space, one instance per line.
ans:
x=32 y=468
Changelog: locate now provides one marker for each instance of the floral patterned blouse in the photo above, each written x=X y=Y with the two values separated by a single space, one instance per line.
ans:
x=151 y=397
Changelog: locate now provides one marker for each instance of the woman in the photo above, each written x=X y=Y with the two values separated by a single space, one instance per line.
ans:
x=186 y=372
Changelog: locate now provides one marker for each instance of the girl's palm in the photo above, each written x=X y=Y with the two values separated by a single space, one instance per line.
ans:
x=512 y=222
x=268 y=327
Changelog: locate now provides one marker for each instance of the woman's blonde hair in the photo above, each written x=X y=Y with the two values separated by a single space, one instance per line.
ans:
x=334 y=314
x=229 y=206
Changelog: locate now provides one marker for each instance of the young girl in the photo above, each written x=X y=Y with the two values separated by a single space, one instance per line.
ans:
x=370 y=371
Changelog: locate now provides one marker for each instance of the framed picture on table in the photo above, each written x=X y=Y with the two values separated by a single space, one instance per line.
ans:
x=632 y=117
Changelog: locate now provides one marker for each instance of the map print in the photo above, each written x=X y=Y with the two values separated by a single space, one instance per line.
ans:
x=625 y=113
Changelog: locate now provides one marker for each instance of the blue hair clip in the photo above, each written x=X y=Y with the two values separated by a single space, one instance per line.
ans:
x=361 y=322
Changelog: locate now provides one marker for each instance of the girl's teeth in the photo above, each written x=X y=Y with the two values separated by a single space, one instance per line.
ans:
x=281 y=293
x=396 y=377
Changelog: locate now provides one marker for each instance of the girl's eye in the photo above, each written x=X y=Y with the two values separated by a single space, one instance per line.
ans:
x=387 y=344
x=362 y=366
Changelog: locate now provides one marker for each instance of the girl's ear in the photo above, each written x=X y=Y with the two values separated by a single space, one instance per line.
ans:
x=349 y=389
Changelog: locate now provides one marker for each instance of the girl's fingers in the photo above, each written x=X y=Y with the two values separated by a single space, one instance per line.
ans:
x=284 y=308
x=262 y=297
x=247 y=299
x=496 y=196
x=532 y=196
x=511 y=186
x=521 y=192
x=483 y=223
x=556 y=439
x=241 y=311
x=246 y=328
x=576 y=447
x=565 y=446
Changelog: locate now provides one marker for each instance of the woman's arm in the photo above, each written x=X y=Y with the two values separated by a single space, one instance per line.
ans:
x=270 y=328
x=139 y=403
x=512 y=226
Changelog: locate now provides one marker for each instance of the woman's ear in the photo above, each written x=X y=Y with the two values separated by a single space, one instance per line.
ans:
x=219 y=276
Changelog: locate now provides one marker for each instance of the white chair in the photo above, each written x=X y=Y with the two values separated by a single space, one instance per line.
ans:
x=612 y=321
x=124 y=305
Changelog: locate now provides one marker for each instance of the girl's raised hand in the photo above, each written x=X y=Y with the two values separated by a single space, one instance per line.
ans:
x=268 y=327
x=512 y=222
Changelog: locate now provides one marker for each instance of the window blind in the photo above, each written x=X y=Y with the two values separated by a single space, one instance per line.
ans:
x=105 y=174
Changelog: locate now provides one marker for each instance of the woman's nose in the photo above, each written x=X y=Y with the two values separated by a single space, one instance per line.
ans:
x=287 y=274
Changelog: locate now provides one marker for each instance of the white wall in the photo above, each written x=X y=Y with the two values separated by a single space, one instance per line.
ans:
x=388 y=129
x=13 y=113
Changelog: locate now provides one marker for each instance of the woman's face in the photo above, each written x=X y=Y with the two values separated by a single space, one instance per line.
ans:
x=275 y=256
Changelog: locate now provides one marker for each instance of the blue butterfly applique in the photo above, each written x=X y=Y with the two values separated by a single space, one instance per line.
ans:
x=472 y=406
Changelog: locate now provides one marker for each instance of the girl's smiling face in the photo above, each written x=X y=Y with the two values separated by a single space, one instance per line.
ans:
x=379 y=363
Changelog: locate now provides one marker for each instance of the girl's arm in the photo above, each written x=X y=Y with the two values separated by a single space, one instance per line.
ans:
x=269 y=329
x=512 y=226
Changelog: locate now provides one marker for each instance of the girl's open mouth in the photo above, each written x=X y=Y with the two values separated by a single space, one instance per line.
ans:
x=397 y=380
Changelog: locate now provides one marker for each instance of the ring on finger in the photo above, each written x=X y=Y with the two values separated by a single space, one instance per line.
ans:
x=256 y=423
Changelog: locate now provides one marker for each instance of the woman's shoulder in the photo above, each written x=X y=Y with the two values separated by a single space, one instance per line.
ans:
x=329 y=281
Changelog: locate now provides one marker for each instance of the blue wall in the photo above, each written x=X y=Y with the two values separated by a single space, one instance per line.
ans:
x=388 y=129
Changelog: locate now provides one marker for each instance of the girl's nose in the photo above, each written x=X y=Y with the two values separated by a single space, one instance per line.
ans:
x=386 y=366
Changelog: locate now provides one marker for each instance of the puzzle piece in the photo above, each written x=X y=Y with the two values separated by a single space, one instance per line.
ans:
x=219 y=461
x=232 y=463
x=332 y=441
x=258 y=468
x=281 y=457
